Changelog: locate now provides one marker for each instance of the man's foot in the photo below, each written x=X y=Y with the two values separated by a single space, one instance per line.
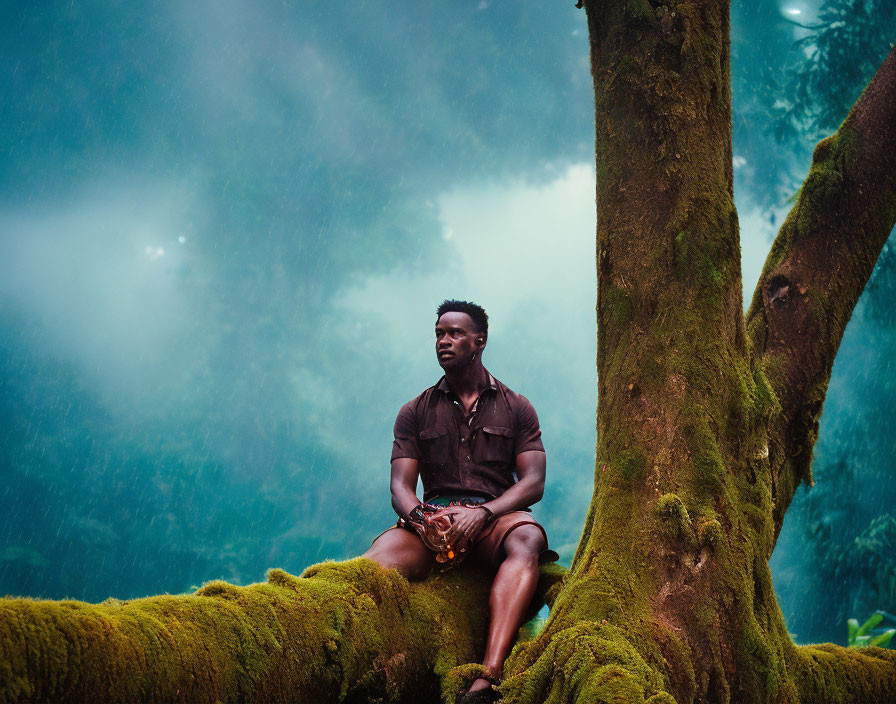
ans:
x=479 y=684
x=480 y=692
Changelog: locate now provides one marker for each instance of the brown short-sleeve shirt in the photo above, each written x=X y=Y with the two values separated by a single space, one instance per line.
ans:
x=466 y=455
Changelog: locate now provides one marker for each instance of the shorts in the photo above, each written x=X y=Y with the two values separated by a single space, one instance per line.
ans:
x=489 y=546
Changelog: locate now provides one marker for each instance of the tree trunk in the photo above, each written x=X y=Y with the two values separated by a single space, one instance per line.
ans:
x=705 y=431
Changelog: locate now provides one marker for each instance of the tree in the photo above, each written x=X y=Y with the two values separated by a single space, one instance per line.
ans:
x=706 y=424
x=706 y=418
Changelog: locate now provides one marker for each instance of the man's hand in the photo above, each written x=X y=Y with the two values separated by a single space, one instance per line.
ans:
x=467 y=524
x=433 y=531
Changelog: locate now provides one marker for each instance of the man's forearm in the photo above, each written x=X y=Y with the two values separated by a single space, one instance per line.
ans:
x=403 y=500
x=521 y=495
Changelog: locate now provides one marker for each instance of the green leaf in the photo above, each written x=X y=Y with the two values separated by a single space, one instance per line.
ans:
x=883 y=639
x=853 y=626
x=869 y=624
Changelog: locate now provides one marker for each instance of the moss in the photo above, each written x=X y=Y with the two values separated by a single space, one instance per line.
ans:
x=707 y=463
x=710 y=534
x=697 y=263
x=631 y=465
x=616 y=307
x=221 y=589
x=639 y=10
x=833 y=674
x=766 y=401
x=587 y=662
x=661 y=698
x=457 y=679
x=553 y=576
x=709 y=466
x=671 y=509
x=342 y=631
x=826 y=177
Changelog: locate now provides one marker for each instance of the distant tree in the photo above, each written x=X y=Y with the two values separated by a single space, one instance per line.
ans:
x=829 y=65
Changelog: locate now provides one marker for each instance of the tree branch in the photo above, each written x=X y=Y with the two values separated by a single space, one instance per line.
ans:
x=344 y=631
x=816 y=271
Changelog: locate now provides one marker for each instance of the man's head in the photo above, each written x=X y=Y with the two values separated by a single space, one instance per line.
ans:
x=461 y=334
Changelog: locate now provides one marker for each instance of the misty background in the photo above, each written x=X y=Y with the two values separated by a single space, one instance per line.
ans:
x=224 y=231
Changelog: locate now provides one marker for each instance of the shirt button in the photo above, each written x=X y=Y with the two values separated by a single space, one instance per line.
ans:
x=468 y=458
x=463 y=441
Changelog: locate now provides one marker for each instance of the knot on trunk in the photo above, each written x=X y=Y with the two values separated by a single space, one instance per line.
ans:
x=674 y=514
x=777 y=291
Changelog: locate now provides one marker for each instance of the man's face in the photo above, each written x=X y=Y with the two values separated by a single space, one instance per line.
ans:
x=457 y=340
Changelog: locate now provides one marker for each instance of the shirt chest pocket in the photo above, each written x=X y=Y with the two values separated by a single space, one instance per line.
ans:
x=434 y=445
x=494 y=444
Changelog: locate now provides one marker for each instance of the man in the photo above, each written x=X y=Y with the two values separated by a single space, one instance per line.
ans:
x=477 y=447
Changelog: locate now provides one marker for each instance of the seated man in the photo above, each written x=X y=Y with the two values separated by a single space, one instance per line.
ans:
x=477 y=447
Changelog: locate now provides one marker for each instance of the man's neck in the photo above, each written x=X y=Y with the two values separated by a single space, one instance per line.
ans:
x=468 y=382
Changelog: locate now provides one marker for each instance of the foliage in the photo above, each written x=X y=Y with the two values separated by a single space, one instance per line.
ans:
x=794 y=83
x=833 y=61
x=852 y=556
x=862 y=636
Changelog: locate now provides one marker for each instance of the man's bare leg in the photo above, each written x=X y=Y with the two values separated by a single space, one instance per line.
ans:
x=512 y=591
x=402 y=550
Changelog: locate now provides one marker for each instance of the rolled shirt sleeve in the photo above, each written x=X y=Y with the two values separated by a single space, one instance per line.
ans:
x=528 y=436
x=406 y=443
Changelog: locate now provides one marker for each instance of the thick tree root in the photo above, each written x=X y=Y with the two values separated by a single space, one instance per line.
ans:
x=589 y=662
x=831 y=674
x=597 y=664
x=343 y=631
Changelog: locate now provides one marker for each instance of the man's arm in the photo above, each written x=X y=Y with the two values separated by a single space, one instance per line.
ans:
x=404 y=501
x=530 y=470
x=403 y=485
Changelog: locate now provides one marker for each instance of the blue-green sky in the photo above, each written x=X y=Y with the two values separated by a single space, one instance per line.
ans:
x=225 y=227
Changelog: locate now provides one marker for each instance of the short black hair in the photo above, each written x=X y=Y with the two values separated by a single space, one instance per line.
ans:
x=476 y=312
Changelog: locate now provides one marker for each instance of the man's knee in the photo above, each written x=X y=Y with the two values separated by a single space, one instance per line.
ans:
x=400 y=551
x=526 y=542
x=375 y=553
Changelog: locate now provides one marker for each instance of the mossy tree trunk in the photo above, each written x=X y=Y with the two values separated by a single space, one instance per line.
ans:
x=706 y=418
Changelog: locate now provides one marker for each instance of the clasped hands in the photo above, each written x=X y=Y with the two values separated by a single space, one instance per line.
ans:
x=449 y=530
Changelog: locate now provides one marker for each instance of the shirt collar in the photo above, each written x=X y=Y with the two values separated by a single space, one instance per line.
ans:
x=444 y=388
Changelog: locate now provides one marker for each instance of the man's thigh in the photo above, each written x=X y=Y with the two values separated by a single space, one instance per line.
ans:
x=402 y=549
